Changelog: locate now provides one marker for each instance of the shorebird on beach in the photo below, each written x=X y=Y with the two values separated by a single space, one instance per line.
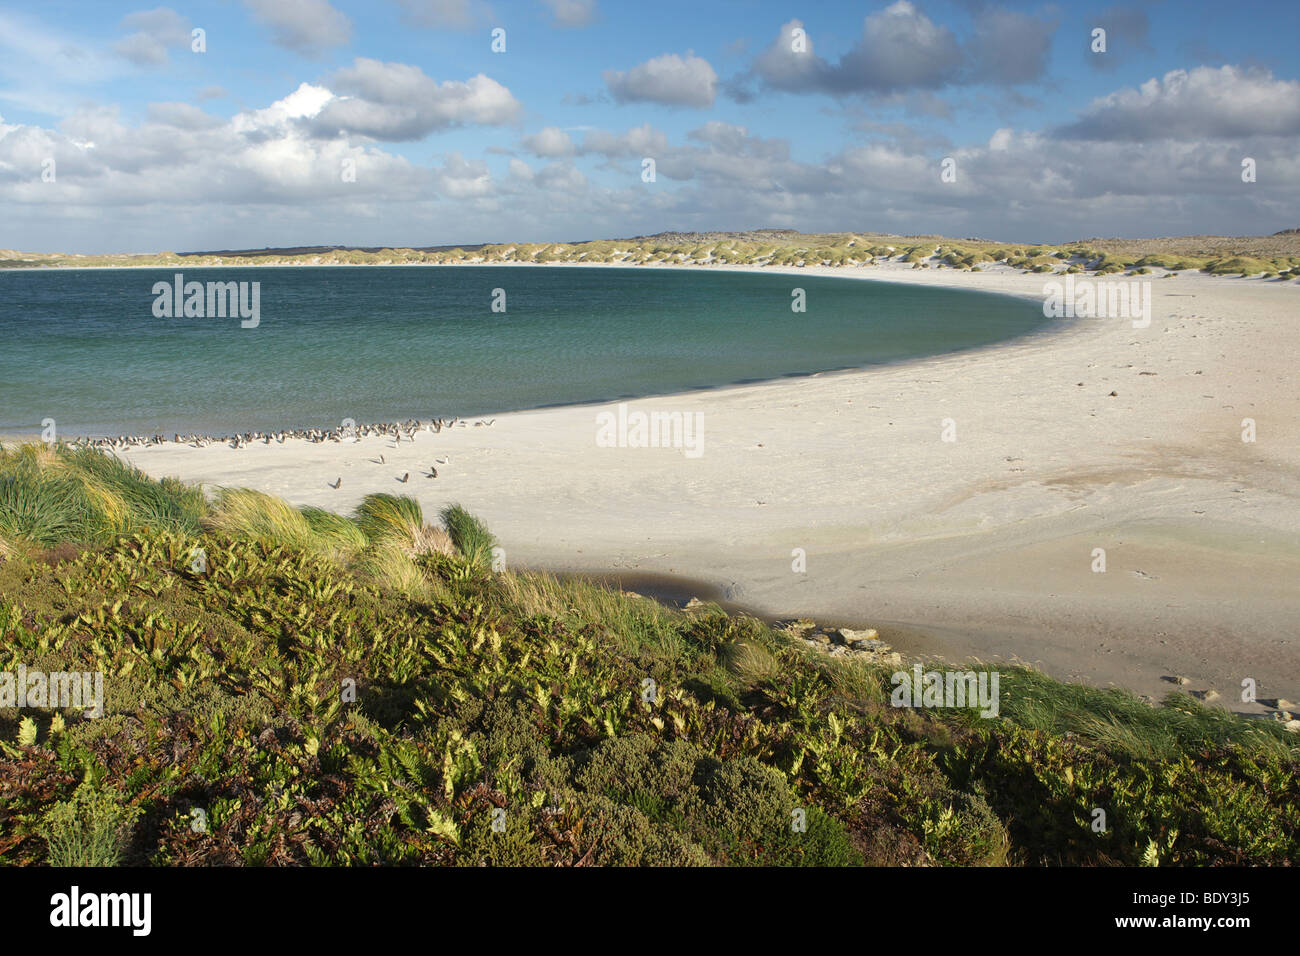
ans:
x=433 y=472
x=338 y=484
x=405 y=478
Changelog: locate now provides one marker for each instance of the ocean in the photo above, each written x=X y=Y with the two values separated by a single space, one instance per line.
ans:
x=106 y=352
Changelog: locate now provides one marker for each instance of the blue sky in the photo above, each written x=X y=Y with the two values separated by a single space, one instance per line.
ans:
x=116 y=136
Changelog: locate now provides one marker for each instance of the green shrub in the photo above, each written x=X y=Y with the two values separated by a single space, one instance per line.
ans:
x=90 y=829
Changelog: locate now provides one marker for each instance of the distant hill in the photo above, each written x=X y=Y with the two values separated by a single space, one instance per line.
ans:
x=1274 y=255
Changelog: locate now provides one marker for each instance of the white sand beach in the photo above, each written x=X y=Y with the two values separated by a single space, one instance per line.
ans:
x=982 y=546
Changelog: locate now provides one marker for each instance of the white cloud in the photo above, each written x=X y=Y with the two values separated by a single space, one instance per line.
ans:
x=549 y=142
x=459 y=178
x=397 y=101
x=669 y=79
x=639 y=141
x=1204 y=102
x=561 y=177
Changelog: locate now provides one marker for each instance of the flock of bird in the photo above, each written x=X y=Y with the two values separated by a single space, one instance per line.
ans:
x=397 y=431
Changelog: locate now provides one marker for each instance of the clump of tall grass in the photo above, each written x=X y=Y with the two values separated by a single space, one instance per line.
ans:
x=389 y=517
x=90 y=829
x=1121 y=721
x=44 y=509
x=244 y=513
x=750 y=661
x=335 y=530
x=470 y=535
x=637 y=622
x=390 y=563
x=134 y=499
x=49 y=495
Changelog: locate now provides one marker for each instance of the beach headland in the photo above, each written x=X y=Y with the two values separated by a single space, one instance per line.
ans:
x=1085 y=499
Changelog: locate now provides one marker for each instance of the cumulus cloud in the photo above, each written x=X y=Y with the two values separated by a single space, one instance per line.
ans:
x=790 y=61
x=549 y=142
x=1203 y=103
x=639 y=141
x=181 y=156
x=397 y=102
x=561 y=177
x=670 y=79
x=459 y=178
x=153 y=34
x=572 y=13
x=308 y=27
x=901 y=51
x=900 y=48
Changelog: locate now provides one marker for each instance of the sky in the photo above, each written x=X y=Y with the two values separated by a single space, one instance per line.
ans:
x=230 y=124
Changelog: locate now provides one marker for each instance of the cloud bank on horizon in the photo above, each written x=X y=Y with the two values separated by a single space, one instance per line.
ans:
x=421 y=122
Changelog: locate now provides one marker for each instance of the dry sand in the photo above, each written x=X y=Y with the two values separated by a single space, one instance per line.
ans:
x=982 y=547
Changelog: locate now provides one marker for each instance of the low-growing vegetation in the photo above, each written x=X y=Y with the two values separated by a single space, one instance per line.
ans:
x=321 y=689
x=1276 y=256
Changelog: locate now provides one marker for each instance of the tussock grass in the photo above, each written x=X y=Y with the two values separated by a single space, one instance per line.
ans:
x=49 y=495
x=636 y=622
x=137 y=501
x=383 y=517
x=389 y=562
x=470 y=536
x=335 y=529
x=43 y=510
x=1121 y=721
x=750 y=661
x=244 y=513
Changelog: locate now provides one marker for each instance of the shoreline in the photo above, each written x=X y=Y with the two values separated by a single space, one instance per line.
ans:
x=983 y=546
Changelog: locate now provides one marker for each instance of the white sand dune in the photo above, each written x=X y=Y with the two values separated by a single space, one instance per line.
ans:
x=978 y=547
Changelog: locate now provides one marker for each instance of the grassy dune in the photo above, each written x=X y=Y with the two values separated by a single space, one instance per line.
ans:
x=1268 y=256
x=321 y=689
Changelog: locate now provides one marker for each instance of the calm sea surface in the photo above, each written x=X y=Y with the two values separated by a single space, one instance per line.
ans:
x=383 y=344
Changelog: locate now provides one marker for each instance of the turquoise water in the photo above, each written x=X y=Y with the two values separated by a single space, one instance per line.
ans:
x=386 y=344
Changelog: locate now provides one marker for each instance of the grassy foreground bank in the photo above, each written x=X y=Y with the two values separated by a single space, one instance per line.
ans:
x=290 y=686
